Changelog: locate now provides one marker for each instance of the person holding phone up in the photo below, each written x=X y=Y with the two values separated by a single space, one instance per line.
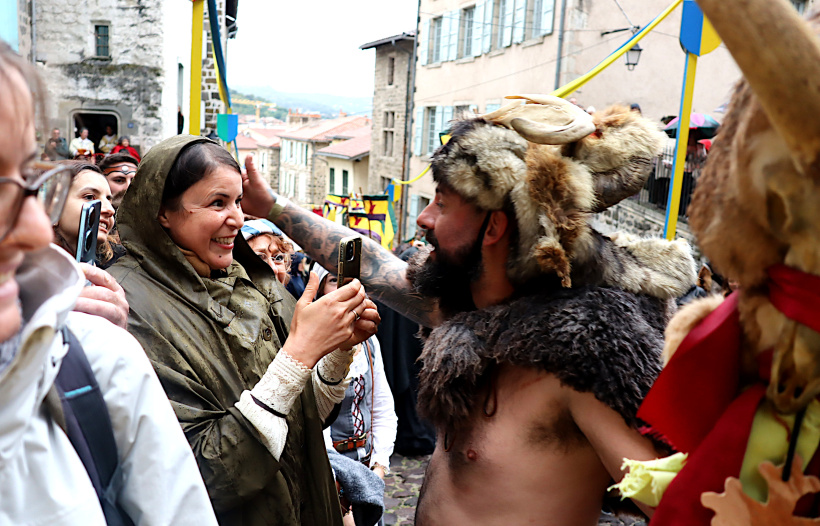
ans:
x=105 y=298
x=252 y=375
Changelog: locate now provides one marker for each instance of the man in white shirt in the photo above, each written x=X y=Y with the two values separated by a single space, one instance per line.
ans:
x=82 y=145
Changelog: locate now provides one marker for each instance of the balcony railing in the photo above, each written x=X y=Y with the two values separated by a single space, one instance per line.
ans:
x=655 y=192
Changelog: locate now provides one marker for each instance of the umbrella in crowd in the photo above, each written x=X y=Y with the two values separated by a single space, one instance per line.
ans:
x=705 y=126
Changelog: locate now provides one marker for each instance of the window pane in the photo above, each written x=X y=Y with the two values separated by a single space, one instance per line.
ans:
x=391 y=65
x=467 y=32
x=800 y=5
x=431 y=130
x=435 y=43
x=332 y=181
x=101 y=40
x=344 y=182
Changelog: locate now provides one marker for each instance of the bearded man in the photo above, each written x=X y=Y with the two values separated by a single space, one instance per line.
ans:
x=546 y=334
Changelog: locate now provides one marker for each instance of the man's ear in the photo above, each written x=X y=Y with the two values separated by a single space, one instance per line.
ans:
x=496 y=227
x=162 y=217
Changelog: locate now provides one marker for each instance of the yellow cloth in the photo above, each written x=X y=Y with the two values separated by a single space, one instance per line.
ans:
x=647 y=480
x=770 y=441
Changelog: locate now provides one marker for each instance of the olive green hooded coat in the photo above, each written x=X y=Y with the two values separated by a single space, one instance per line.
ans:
x=210 y=339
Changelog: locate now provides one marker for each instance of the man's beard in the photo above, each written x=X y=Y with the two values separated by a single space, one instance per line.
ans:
x=448 y=277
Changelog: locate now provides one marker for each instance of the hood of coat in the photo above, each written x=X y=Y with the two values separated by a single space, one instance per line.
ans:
x=148 y=242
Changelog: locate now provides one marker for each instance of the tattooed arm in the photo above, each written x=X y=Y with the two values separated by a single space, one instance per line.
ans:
x=384 y=275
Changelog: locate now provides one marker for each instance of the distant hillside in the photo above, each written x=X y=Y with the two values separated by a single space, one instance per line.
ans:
x=327 y=105
x=250 y=109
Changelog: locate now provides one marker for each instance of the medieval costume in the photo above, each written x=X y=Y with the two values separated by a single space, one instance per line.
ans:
x=587 y=308
x=211 y=338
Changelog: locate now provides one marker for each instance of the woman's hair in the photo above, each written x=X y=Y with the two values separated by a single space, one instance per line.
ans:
x=104 y=250
x=194 y=163
x=123 y=138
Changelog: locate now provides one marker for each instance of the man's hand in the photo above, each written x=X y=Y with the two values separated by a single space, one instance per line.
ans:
x=105 y=298
x=257 y=199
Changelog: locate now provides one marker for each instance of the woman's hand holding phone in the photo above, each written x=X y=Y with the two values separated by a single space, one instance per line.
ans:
x=321 y=326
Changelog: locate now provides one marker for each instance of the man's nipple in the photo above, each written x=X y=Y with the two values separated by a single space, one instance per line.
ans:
x=471 y=454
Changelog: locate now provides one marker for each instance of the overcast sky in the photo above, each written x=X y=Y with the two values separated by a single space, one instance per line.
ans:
x=313 y=46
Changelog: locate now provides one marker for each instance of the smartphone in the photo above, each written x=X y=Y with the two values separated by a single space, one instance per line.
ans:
x=350 y=259
x=87 y=234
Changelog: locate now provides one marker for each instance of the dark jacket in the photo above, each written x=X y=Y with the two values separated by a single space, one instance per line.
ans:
x=210 y=339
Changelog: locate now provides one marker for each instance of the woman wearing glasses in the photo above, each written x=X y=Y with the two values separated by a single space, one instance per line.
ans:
x=269 y=243
x=42 y=479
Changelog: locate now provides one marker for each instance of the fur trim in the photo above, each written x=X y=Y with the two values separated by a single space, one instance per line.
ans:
x=484 y=164
x=655 y=267
x=687 y=318
x=551 y=192
x=598 y=340
x=622 y=135
x=664 y=269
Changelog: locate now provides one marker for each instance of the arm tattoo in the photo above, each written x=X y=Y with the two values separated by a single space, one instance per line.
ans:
x=383 y=273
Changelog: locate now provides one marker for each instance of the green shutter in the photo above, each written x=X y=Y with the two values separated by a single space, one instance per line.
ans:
x=478 y=24
x=487 y=27
x=518 y=22
x=417 y=135
x=424 y=41
x=547 y=16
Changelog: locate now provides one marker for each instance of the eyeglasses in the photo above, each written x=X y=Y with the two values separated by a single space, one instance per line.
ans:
x=123 y=172
x=279 y=259
x=48 y=182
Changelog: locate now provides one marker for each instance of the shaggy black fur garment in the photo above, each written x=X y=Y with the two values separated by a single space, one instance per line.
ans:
x=593 y=339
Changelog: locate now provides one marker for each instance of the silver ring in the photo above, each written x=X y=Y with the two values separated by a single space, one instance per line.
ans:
x=357 y=316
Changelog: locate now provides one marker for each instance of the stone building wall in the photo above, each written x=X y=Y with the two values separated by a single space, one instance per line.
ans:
x=319 y=171
x=272 y=172
x=389 y=98
x=24 y=28
x=210 y=85
x=128 y=83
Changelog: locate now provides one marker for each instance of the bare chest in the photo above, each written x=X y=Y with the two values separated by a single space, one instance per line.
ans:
x=519 y=457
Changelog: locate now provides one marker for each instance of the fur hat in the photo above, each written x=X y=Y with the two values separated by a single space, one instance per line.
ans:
x=552 y=165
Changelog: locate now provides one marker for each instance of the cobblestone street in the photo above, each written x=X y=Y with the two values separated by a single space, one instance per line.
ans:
x=402 y=492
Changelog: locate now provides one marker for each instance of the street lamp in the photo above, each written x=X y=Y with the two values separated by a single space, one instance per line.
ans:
x=633 y=56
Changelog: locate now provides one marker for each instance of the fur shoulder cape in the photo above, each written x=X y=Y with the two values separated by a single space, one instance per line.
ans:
x=593 y=339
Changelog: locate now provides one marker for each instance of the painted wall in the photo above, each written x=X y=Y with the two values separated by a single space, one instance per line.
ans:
x=525 y=62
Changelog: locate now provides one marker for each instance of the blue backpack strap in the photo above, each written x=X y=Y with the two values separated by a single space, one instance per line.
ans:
x=88 y=424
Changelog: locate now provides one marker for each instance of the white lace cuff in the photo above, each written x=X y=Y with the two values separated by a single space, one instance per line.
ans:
x=330 y=380
x=267 y=405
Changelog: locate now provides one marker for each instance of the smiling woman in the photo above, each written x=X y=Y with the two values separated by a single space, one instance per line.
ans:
x=251 y=375
x=87 y=184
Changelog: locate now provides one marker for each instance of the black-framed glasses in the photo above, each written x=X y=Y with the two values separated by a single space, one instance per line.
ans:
x=48 y=182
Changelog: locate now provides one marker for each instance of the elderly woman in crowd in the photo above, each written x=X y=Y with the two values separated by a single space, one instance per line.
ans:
x=252 y=397
x=269 y=243
x=43 y=478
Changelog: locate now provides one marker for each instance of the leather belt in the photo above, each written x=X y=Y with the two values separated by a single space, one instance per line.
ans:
x=350 y=444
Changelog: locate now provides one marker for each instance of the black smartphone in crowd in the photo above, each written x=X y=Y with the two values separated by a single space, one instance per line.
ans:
x=350 y=259
x=87 y=234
